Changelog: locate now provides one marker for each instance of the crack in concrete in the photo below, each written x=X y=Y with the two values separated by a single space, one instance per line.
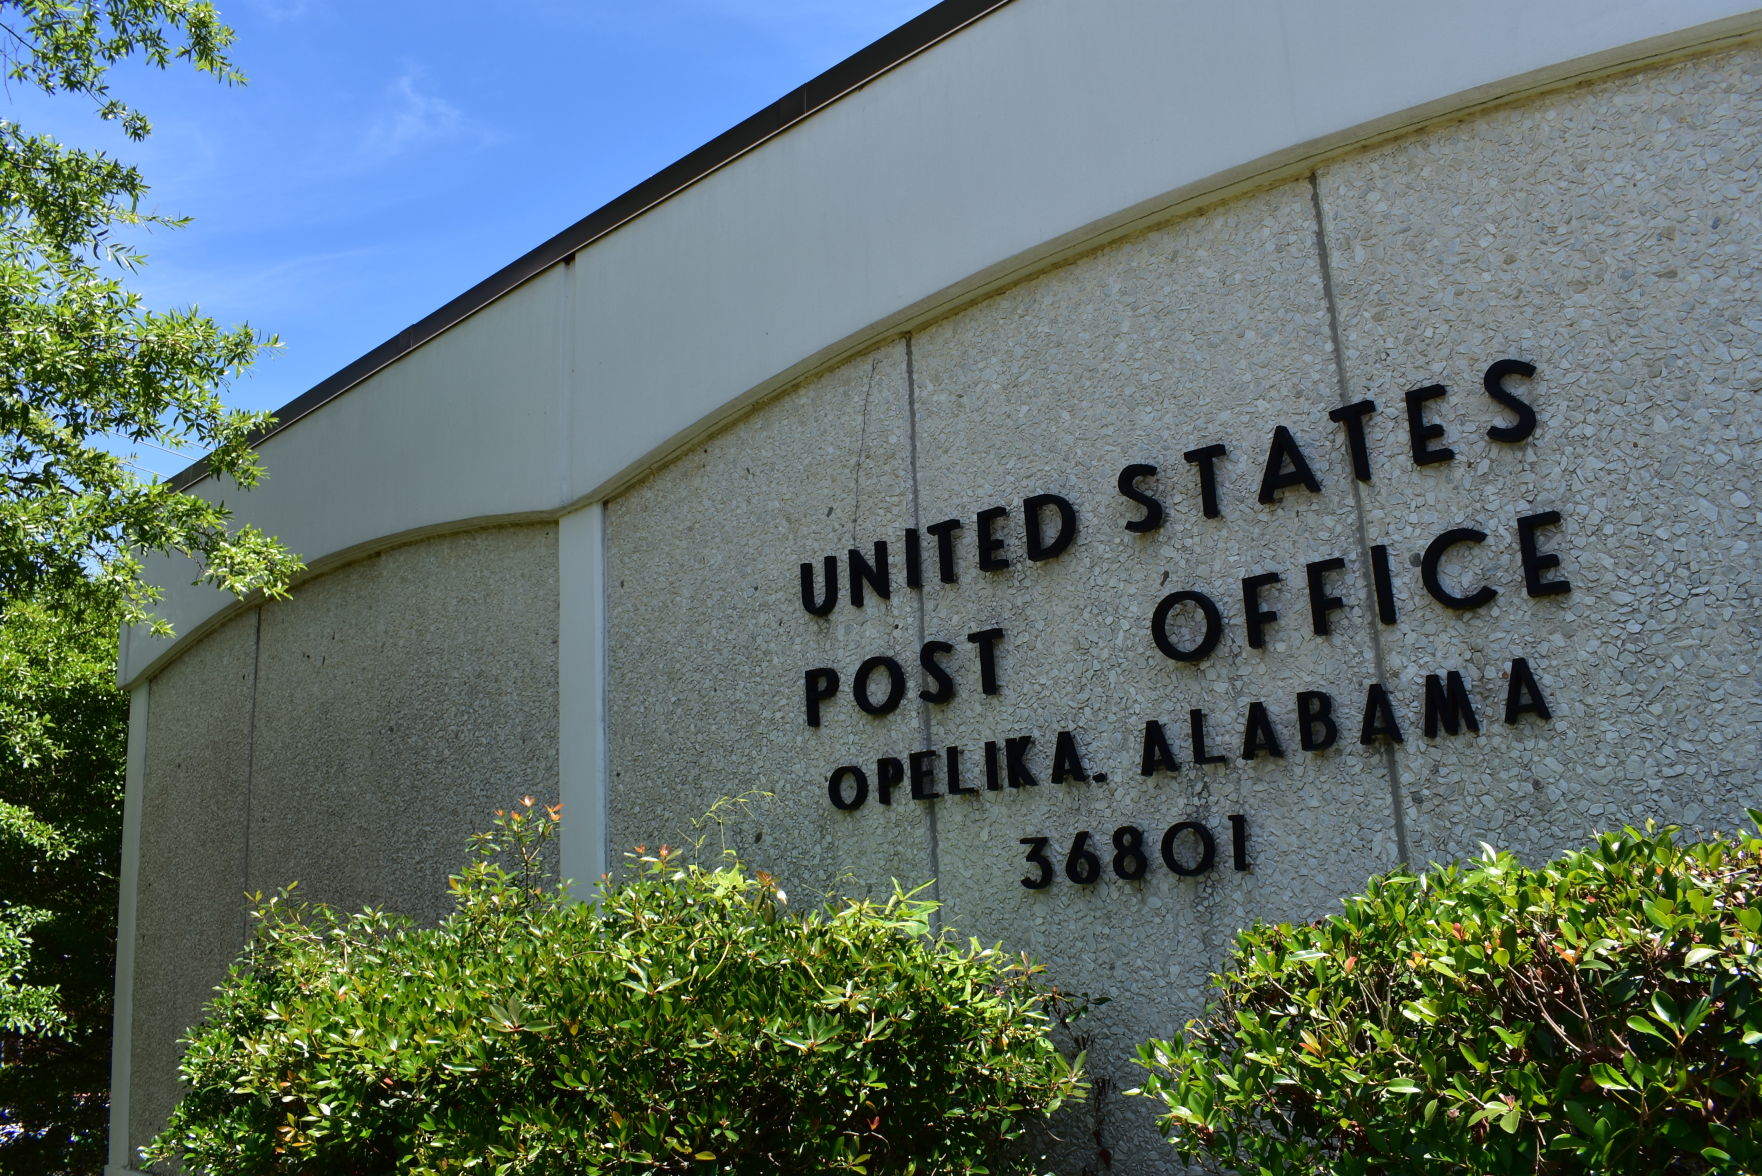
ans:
x=856 y=506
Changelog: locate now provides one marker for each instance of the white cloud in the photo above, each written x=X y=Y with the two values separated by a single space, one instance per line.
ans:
x=281 y=10
x=415 y=119
x=233 y=287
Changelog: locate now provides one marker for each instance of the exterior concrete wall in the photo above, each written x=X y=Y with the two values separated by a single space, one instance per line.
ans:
x=1211 y=330
x=1605 y=234
x=1602 y=234
x=404 y=700
x=190 y=899
x=706 y=652
x=349 y=739
x=1609 y=236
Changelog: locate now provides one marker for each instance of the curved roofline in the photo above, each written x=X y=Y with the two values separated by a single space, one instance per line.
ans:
x=854 y=72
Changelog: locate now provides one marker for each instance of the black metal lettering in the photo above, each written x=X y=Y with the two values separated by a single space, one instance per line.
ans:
x=1254 y=617
x=1494 y=383
x=1258 y=736
x=1081 y=864
x=874 y=576
x=1153 y=511
x=1321 y=601
x=1316 y=729
x=986 y=640
x=1275 y=478
x=1214 y=626
x=1067 y=762
x=1205 y=457
x=923 y=775
x=1196 y=728
x=1536 y=561
x=1524 y=695
x=1385 y=584
x=933 y=669
x=814 y=602
x=1036 y=856
x=1015 y=755
x=1379 y=717
x=859 y=686
x=1036 y=544
x=1156 y=755
x=889 y=774
x=944 y=532
x=1421 y=432
x=1207 y=849
x=821 y=684
x=953 y=774
x=1428 y=570
x=991 y=558
x=1350 y=417
x=835 y=787
x=1448 y=706
x=1129 y=861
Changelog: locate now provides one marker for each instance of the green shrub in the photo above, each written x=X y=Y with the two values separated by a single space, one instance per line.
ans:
x=688 y=1022
x=1600 y=1014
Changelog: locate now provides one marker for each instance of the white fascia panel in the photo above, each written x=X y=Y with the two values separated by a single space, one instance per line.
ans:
x=1048 y=118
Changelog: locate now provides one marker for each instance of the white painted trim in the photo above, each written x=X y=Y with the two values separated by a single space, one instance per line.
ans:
x=1045 y=128
x=582 y=745
x=122 y=1040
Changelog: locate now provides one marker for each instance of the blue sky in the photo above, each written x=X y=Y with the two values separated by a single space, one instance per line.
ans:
x=386 y=155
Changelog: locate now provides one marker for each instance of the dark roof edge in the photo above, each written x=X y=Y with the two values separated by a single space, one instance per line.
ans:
x=855 y=71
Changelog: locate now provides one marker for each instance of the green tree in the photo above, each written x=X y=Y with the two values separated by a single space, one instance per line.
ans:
x=84 y=360
x=88 y=368
x=62 y=733
x=688 y=1022
x=1600 y=1014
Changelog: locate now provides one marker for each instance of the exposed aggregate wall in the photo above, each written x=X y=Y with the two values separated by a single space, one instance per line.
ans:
x=1604 y=234
x=349 y=739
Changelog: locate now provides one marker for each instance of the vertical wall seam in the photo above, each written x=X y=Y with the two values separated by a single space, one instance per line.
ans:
x=911 y=434
x=856 y=493
x=120 y=1146
x=583 y=706
x=566 y=381
x=602 y=717
x=1391 y=763
x=250 y=770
